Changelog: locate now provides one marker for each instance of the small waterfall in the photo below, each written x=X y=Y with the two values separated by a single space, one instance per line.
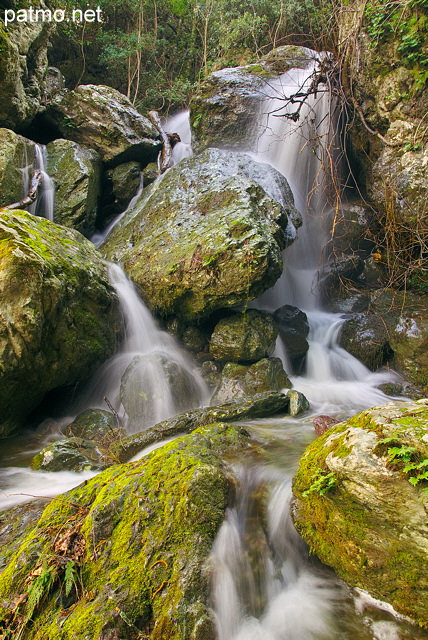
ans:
x=44 y=204
x=157 y=364
x=265 y=588
x=179 y=123
x=98 y=238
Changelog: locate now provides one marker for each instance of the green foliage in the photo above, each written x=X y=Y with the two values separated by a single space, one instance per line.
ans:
x=155 y=51
x=321 y=483
x=407 y=459
x=404 y=22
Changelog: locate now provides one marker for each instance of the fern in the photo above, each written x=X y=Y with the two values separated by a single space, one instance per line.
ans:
x=70 y=576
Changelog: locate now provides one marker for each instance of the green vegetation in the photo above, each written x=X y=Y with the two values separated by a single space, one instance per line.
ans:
x=155 y=51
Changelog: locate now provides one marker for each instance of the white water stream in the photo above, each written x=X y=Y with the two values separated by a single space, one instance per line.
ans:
x=44 y=203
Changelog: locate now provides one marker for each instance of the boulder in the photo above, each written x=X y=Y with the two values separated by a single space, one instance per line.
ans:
x=361 y=499
x=137 y=538
x=95 y=424
x=243 y=337
x=103 y=119
x=76 y=173
x=152 y=379
x=298 y=402
x=366 y=337
x=239 y=381
x=74 y=454
x=204 y=237
x=223 y=111
x=59 y=315
x=293 y=327
x=23 y=66
x=16 y=153
x=15 y=524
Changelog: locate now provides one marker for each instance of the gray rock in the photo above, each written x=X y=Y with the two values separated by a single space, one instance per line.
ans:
x=243 y=337
x=239 y=381
x=76 y=172
x=95 y=424
x=298 y=402
x=74 y=454
x=23 y=66
x=104 y=120
x=206 y=236
x=293 y=328
x=125 y=183
x=16 y=152
x=366 y=337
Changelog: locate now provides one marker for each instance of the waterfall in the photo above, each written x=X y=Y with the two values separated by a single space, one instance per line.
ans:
x=179 y=123
x=265 y=586
x=157 y=363
x=44 y=204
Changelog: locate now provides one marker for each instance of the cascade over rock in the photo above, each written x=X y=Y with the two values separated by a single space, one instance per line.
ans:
x=206 y=236
x=361 y=503
x=76 y=173
x=139 y=535
x=15 y=152
x=103 y=119
x=222 y=113
x=59 y=317
x=23 y=66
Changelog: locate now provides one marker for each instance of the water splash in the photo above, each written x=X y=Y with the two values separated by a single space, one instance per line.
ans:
x=44 y=204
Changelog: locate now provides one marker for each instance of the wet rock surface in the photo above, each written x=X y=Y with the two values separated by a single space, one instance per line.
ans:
x=76 y=173
x=239 y=381
x=103 y=119
x=60 y=317
x=206 y=236
x=16 y=152
x=243 y=337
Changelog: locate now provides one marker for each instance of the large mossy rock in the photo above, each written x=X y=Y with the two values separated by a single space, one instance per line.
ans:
x=140 y=536
x=223 y=112
x=16 y=152
x=76 y=172
x=23 y=66
x=240 y=381
x=59 y=314
x=361 y=503
x=243 y=337
x=103 y=119
x=206 y=236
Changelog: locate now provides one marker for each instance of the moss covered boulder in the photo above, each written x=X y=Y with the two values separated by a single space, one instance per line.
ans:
x=223 y=111
x=73 y=454
x=103 y=119
x=16 y=152
x=124 y=555
x=76 y=172
x=361 y=502
x=240 y=381
x=59 y=315
x=206 y=236
x=366 y=337
x=243 y=337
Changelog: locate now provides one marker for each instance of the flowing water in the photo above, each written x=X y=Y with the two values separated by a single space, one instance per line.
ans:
x=265 y=586
x=44 y=203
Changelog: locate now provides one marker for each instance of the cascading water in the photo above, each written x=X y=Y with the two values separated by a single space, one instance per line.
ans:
x=265 y=587
x=44 y=204
x=157 y=364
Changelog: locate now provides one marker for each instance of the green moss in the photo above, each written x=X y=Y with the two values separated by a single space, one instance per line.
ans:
x=147 y=528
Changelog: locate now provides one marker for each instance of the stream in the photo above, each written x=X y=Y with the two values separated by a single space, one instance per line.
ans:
x=265 y=585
